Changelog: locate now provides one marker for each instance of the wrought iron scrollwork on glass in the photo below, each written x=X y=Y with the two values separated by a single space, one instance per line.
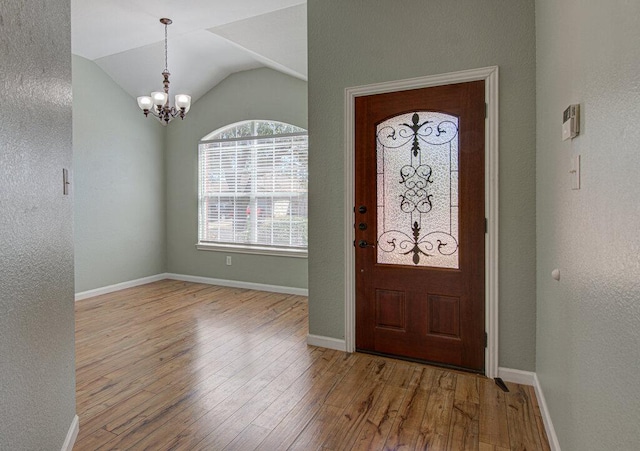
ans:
x=417 y=179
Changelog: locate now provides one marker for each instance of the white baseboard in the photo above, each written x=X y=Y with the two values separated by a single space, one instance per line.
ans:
x=239 y=284
x=119 y=286
x=554 y=444
x=195 y=279
x=516 y=376
x=326 y=342
x=530 y=378
x=72 y=434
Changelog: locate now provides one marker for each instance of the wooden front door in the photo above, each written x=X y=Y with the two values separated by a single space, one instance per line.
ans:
x=420 y=224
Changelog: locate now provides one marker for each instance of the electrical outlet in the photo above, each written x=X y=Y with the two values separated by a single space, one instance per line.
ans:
x=228 y=260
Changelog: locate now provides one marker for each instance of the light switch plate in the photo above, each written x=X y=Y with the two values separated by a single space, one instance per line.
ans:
x=65 y=182
x=575 y=172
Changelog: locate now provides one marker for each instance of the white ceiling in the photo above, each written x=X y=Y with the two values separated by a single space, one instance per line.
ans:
x=208 y=40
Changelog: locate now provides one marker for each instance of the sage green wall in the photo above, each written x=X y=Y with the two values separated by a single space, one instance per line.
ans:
x=37 y=365
x=118 y=156
x=588 y=339
x=358 y=42
x=254 y=94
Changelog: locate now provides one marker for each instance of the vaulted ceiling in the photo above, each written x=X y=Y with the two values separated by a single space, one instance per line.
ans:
x=208 y=40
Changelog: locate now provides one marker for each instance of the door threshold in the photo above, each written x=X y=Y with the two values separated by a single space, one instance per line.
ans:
x=424 y=362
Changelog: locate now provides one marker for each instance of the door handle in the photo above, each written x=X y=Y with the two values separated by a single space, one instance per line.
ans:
x=363 y=244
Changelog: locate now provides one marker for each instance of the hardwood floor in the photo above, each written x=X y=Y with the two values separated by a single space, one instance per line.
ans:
x=184 y=366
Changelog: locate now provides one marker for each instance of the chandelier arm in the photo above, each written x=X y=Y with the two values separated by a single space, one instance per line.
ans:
x=159 y=115
x=175 y=112
x=153 y=112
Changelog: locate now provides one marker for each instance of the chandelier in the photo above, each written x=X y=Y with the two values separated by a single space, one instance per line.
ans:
x=158 y=103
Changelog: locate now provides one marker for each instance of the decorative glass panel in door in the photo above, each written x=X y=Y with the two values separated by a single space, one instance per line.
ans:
x=417 y=190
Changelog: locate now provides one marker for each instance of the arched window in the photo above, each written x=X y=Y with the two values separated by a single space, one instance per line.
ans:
x=253 y=189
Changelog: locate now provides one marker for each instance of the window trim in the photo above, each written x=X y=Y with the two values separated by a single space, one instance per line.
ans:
x=255 y=249
x=253 y=137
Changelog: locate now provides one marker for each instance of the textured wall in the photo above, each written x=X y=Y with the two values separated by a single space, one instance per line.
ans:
x=118 y=156
x=37 y=371
x=353 y=43
x=588 y=340
x=255 y=94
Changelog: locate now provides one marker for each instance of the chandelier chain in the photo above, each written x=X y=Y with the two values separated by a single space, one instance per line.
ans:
x=166 y=64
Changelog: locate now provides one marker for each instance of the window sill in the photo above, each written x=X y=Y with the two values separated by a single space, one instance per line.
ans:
x=256 y=250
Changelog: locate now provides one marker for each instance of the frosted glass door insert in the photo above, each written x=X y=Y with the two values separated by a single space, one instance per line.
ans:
x=417 y=190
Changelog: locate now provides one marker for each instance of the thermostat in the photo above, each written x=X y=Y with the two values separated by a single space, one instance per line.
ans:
x=571 y=122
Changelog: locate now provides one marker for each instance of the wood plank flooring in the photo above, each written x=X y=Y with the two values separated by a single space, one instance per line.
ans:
x=182 y=366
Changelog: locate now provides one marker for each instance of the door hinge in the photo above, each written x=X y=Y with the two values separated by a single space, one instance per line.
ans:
x=486 y=226
x=354 y=243
x=486 y=110
x=486 y=340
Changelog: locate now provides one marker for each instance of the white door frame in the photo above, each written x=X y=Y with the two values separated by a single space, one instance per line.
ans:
x=490 y=76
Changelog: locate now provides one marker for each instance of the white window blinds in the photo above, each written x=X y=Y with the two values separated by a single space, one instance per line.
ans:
x=253 y=189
